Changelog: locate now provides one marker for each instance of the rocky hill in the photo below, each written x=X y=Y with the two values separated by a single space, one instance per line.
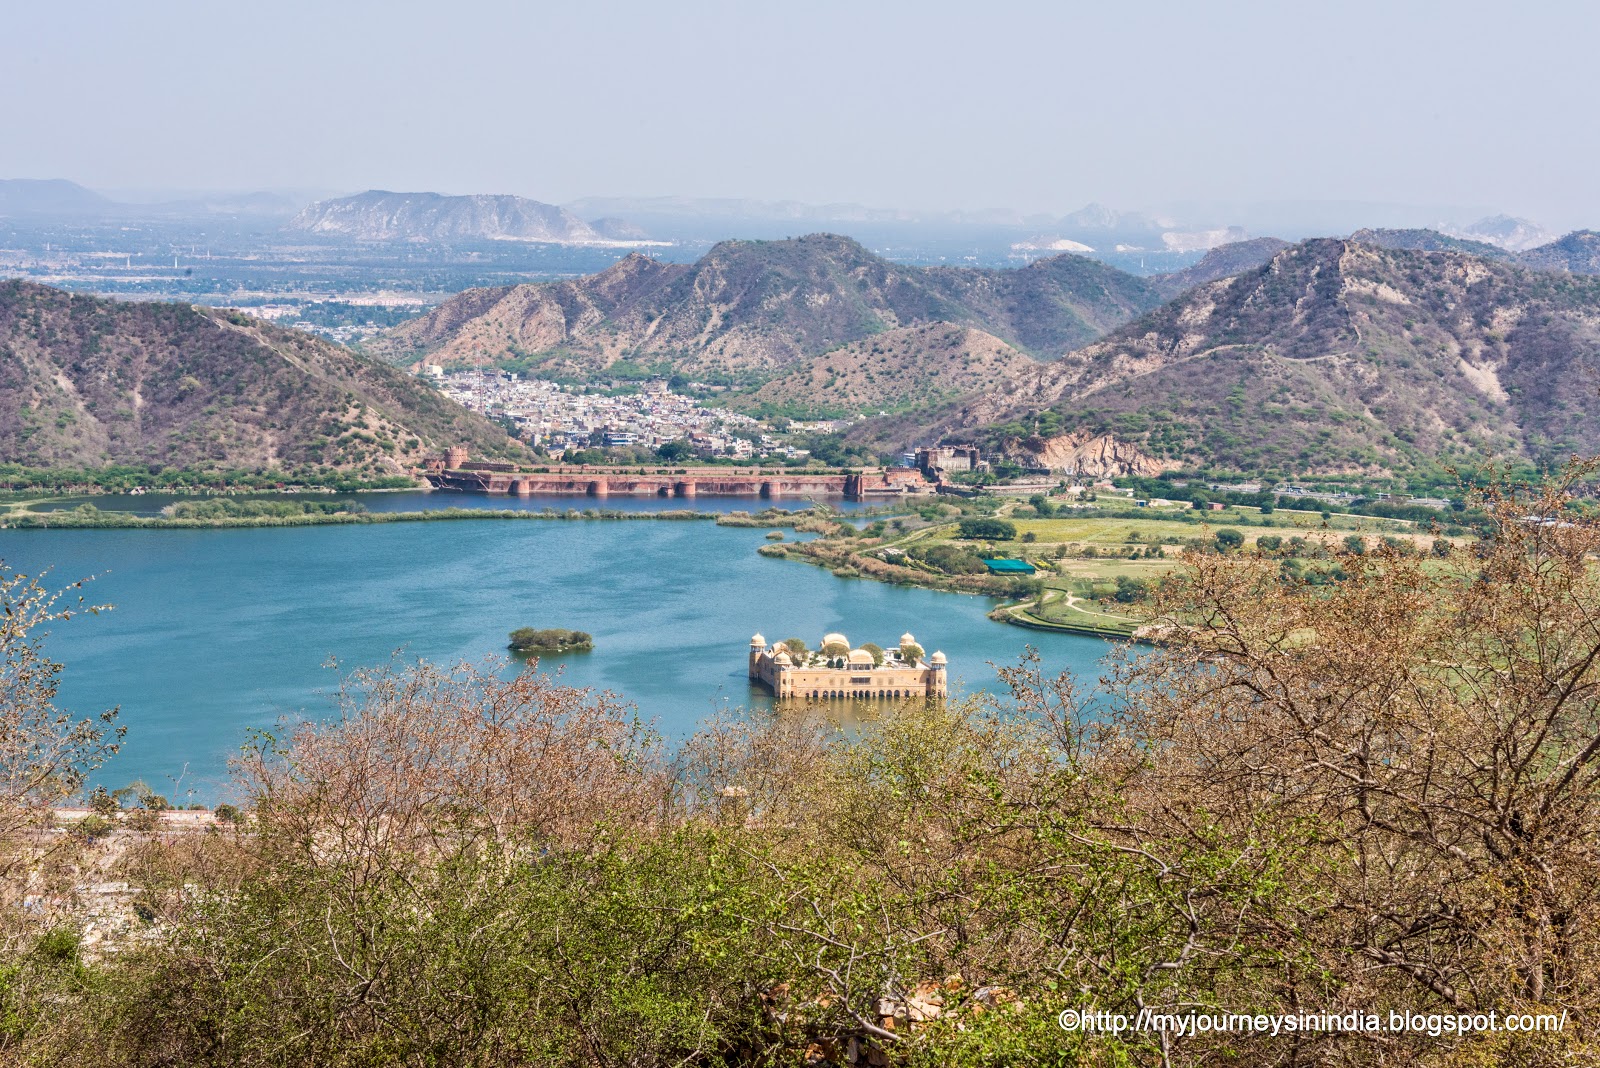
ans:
x=911 y=367
x=87 y=382
x=1335 y=357
x=753 y=311
x=377 y=215
x=1578 y=252
x=1224 y=261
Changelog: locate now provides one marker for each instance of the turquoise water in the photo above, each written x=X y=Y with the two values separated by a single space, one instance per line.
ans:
x=423 y=500
x=217 y=631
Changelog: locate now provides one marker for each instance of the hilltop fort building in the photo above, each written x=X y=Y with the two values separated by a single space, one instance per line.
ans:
x=836 y=670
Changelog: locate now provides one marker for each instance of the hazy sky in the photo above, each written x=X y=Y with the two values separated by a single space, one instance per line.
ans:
x=1032 y=106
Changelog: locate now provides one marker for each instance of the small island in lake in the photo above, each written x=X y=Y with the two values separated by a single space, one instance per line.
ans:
x=552 y=640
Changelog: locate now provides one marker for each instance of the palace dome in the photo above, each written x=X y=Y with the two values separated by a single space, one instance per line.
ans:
x=937 y=659
x=907 y=639
x=860 y=658
x=835 y=639
x=757 y=639
x=782 y=659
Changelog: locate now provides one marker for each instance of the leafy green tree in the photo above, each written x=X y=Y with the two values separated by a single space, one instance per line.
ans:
x=1131 y=590
x=676 y=451
x=1228 y=539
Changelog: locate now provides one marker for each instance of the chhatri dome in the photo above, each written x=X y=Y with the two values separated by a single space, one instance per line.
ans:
x=907 y=639
x=757 y=639
x=835 y=639
x=860 y=658
x=937 y=659
x=782 y=659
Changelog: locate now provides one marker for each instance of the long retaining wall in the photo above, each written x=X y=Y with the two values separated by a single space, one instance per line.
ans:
x=711 y=483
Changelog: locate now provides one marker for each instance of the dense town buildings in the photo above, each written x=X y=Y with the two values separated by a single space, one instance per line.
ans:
x=560 y=417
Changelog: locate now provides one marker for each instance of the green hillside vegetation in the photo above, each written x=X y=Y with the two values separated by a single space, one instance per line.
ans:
x=1335 y=358
x=93 y=383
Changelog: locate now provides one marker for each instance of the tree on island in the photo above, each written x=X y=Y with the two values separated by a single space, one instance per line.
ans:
x=552 y=640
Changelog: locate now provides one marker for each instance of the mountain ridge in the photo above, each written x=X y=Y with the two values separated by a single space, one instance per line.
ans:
x=1335 y=357
x=758 y=309
x=90 y=382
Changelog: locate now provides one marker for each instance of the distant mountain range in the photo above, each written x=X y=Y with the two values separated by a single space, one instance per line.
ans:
x=87 y=382
x=1334 y=356
x=58 y=199
x=1391 y=351
x=378 y=215
x=753 y=312
x=49 y=196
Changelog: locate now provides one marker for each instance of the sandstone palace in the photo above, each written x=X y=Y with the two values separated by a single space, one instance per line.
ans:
x=835 y=670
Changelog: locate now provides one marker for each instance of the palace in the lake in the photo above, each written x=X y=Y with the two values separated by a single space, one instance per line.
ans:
x=837 y=670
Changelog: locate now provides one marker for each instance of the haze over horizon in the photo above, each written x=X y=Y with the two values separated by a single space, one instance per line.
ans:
x=1034 y=108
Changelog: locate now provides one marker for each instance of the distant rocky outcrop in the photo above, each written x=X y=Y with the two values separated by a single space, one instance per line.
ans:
x=87 y=382
x=1086 y=453
x=1504 y=231
x=1051 y=243
x=615 y=229
x=377 y=215
x=1202 y=240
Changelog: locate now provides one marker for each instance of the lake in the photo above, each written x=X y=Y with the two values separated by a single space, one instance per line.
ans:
x=214 y=632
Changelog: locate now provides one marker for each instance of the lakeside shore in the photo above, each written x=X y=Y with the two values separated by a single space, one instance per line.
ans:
x=76 y=519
